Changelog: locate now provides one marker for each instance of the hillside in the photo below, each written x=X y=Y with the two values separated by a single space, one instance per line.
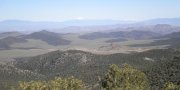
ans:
x=165 y=70
x=6 y=42
x=9 y=72
x=172 y=40
x=172 y=35
x=82 y=65
x=10 y=75
x=49 y=37
x=85 y=65
x=9 y=34
x=135 y=34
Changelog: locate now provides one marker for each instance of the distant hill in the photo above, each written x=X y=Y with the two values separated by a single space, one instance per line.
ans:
x=172 y=40
x=9 y=34
x=164 y=28
x=121 y=35
x=157 y=28
x=49 y=37
x=116 y=40
x=170 y=21
x=95 y=22
x=141 y=32
x=6 y=42
x=172 y=35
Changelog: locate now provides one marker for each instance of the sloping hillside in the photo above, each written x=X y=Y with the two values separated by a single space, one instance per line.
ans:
x=9 y=34
x=6 y=42
x=120 y=34
x=172 y=40
x=49 y=37
x=85 y=65
x=10 y=75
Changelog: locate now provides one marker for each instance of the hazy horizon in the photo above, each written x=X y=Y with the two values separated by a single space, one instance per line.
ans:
x=64 y=10
x=88 y=20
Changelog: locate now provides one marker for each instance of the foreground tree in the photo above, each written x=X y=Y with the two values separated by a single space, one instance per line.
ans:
x=56 y=84
x=171 y=86
x=125 y=78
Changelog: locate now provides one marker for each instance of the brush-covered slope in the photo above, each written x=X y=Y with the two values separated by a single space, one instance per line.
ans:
x=85 y=65
x=9 y=72
x=10 y=75
x=158 y=64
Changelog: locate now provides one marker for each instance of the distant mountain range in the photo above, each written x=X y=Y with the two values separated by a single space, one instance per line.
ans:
x=166 y=35
x=171 y=21
x=142 y=32
x=18 y=25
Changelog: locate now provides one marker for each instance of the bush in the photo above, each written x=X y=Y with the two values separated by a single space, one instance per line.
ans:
x=56 y=84
x=171 y=86
x=125 y=78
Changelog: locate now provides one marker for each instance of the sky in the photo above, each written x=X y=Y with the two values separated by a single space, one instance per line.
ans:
x=62 y=10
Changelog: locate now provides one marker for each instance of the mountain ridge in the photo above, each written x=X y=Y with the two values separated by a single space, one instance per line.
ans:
x=18 y=25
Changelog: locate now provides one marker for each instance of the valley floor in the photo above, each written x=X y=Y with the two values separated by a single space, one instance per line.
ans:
x=98 y=46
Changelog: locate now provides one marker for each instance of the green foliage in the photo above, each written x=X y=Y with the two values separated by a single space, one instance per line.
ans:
x=70 y=63
x=125 y=78
x=165 y=71
x=32 y=85
x=56 y=84
x=171 y=86
x=161 y=69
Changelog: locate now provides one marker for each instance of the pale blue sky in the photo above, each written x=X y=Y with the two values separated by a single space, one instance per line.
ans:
x=60 y=10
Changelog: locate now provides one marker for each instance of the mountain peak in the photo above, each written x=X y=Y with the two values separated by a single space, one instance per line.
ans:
x=44 y=31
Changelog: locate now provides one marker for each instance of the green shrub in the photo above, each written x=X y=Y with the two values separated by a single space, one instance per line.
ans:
x=171 y=86
x=125 y=78
x=56 y=84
